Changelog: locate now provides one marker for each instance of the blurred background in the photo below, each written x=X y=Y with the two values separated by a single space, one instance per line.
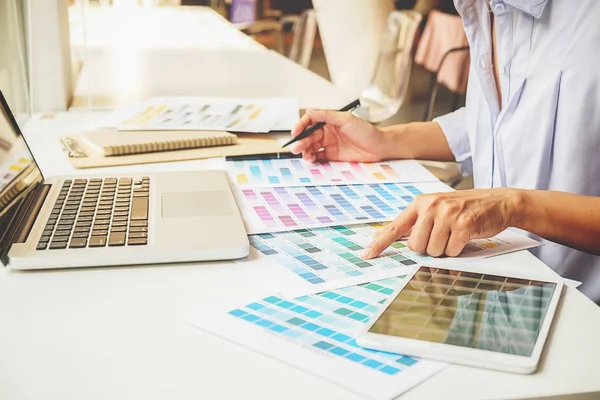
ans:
x=407 y=60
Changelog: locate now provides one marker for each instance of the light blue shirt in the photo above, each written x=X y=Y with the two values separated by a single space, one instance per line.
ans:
x=546 y=133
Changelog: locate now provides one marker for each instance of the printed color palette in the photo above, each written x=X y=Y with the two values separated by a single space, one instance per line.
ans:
x=296 y=172
x=330 y=254
x=333 y=254
x=315 y=333
x=288 y=208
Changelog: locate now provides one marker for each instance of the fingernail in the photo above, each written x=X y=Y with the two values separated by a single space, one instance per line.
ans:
x=367 y=252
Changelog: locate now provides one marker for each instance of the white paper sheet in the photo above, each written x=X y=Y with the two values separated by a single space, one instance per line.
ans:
x=297 y=172
x=310 y=332
x=325 y=255
x=278 y=209
x=207 y=113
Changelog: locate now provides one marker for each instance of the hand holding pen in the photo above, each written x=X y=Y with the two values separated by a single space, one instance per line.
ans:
x=337 y=136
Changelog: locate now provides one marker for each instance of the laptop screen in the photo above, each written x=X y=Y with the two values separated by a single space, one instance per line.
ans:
x=18 y=172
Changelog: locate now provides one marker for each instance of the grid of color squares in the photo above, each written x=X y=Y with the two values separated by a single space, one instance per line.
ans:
x=326 y=322
x=284 y=208
x=296 y=172
x=330 y=254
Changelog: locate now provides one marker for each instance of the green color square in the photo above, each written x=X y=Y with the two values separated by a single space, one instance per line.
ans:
x=398 y=245
x=374 y=286
x=343 y=311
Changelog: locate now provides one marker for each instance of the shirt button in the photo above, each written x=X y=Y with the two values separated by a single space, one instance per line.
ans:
x=499 y=8
x=482 y=63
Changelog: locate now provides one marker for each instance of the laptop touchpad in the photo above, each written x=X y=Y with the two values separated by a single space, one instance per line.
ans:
x=195 y=204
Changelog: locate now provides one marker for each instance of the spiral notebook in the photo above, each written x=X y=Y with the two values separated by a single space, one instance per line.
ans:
x=82 y=155
x=109 y=143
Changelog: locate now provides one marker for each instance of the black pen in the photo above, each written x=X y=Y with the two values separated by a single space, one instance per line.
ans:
x=263 y=156
x=311 y=129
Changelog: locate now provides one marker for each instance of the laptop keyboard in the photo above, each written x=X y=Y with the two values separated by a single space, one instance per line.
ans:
x=97 y=213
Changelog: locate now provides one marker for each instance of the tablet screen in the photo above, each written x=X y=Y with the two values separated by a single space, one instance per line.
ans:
x=481 y=311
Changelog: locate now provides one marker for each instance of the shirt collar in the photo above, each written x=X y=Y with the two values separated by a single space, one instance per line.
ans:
x=531 y=7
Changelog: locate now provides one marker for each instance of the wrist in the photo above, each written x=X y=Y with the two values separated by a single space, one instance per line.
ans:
x=518 y=201
x=392 y=146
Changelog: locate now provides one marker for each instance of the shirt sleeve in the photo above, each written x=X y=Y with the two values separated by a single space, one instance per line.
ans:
x=454 y=126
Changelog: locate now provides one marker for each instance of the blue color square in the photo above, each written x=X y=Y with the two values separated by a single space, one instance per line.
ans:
x=278 y=328
x=307 y=275
x=237 y=313
x=328 y=319
x=299 y=309
x=255 y=306
x=268 y=311
x=358 y=304
x=354 y=273
x=325 y=332
x=250 y=317
x=345 y=300
x=373 y=364
x=316 y=280
x=355 y=357
x=371 y=309
x=285 y=304
x=389 y=370
x=408 y=361
x=339 y=351
x=340 y=337
x=313 y=314
x=387 y=291
x=323 y=345
x=330 y=295
x=272 y=299
x=305 y=180
x=292 y=334
x=264 y=323
x=303 y=298
x=310 y=326
x=296 y=321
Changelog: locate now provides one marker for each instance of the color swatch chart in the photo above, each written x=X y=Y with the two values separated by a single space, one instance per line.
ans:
x=287 y=208
x=297 y=172
x=232 y=114
x=315 y=333
x=330 y=254
x=13 y=168
x=334 y=253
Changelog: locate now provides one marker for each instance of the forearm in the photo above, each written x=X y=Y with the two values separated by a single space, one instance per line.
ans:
x=569 y=219
x=417 y=140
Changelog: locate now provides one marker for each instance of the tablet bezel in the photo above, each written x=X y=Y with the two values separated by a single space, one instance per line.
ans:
x=458 y=354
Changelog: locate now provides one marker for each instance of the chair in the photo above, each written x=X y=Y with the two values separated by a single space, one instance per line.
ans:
x=387 y=89
x=304 y=30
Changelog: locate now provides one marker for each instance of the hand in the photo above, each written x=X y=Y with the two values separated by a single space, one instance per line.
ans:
x=443 y=223
x=344 y=137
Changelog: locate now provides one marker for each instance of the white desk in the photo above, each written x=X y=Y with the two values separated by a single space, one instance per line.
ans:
x=114 y=333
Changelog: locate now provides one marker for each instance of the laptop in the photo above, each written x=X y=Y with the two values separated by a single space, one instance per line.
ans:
x=149 y=218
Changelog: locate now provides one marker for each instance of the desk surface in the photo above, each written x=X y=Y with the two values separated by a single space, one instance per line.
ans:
x=115 y=333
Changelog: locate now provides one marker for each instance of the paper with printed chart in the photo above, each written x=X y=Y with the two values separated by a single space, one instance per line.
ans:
x=297 y=172
x=315 y=332
x=208 y=113
x=333 y=254
x=278 y=209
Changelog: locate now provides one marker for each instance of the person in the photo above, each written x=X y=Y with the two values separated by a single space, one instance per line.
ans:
x=529 y=133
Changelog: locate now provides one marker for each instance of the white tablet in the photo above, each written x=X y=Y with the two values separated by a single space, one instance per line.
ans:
x=467 y=317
